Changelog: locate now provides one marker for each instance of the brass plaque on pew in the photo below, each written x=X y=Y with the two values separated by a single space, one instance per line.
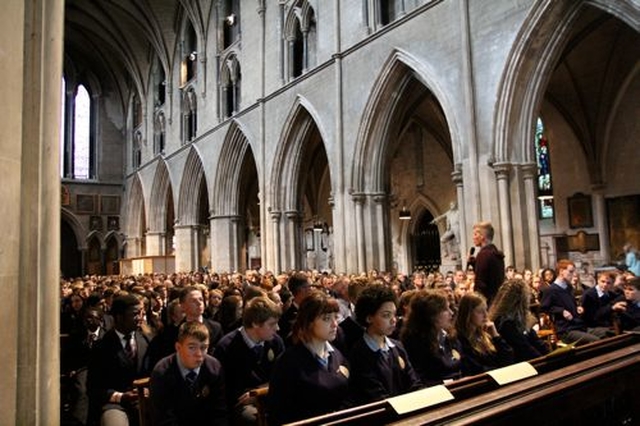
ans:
x=512 y=373
x=419 y=399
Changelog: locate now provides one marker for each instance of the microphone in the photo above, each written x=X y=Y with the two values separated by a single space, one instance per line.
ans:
x=472 y=250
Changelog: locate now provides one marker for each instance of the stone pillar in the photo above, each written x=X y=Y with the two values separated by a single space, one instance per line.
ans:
x=456 y=177
x=504 y=202
x=224 y=243
x=134 y=247
x=358 y=199
x=186 y=248
x=293 y=256
x=31 y=42
x=155 y=243
x=602 y=221
x=275 y=239
x=381 y=224
x=530 y=174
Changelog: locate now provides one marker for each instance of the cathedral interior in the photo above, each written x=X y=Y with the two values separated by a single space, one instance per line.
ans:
x=178 y=135
x=231 y=135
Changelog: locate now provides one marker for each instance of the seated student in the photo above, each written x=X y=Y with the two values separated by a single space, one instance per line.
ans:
x=116 y=361
x=627 y=307
x=482 y=347
x=514 y=321
x=311 y=377
x=433 y=351
x=380 y=367
x=559 y=302
x=248 y=354
x=596 y=302
x=187 y=388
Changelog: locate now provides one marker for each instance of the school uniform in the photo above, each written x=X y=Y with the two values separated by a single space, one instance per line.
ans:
x=247 y=365
x=434 y=368
x=177 y=402
x=474 y=362
x=525 y=344
x=379 y=373
x=303 y=386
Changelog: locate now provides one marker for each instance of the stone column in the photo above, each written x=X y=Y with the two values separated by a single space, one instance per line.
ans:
x=293 y=256
x=358 y=199
x=456 y=177
x=381 y=224
x=602 y=221
x=530 y=173
x=155 y=243
x=275 y=239
x=224 y=243
x=504 y=202
x=31 y=41
x=186 y=248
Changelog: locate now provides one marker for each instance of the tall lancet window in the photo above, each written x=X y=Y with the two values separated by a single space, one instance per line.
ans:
x=82 y=134
x=545 y=183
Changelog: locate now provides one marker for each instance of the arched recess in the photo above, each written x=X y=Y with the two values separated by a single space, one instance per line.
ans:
x=302 y=195
x=112 y=253
x=405 y=255
x=192 y=225
x=539 y=72
x=159 y=237
x=235 y=217
x=95 y=258
x=71 y=244
x=136 y=226
x=407 y=147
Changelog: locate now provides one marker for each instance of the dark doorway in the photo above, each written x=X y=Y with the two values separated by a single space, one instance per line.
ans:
x=70 y=260
x=112 y=257
x=425 y=242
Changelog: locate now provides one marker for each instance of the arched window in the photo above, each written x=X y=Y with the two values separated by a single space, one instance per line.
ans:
x=77 y=136
x=159 y=84
x=82 y=134
x=388 y=11
x=189 y=116
x=231 y=84
x=301 y=38
x=545 y=185
x=136 y=154
x=189 y=53
x=159 y=133
x=230 y=15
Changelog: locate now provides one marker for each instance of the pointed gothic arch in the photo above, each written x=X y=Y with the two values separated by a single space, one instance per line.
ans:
x=302 y=140
x=369 y=173
x=189 y=196
x=161 y=190
x=235 y=196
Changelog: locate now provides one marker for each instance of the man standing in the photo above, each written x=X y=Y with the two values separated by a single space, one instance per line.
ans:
x=489 y=262
x=187 y=388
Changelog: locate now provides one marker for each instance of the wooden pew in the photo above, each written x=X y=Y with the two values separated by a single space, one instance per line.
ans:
x=562 y=373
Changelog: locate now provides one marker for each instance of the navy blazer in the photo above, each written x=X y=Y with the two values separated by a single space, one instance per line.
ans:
x=301 y=387
x=526 y=345
x=434 y=368
x=376 y=375
x=597 y=310
x=173 y=403
x=111 y=370
x=555 y=300
x=244 y=369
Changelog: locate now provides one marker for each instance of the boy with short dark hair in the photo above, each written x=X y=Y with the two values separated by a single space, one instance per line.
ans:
x=188 y=387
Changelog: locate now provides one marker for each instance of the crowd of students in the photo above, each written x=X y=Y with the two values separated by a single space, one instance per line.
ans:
x=321 y=342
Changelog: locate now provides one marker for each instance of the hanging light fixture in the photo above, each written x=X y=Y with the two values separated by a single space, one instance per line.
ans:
x=405 y=214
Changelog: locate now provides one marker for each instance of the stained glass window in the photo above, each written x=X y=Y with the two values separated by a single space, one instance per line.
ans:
x=545 y=186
